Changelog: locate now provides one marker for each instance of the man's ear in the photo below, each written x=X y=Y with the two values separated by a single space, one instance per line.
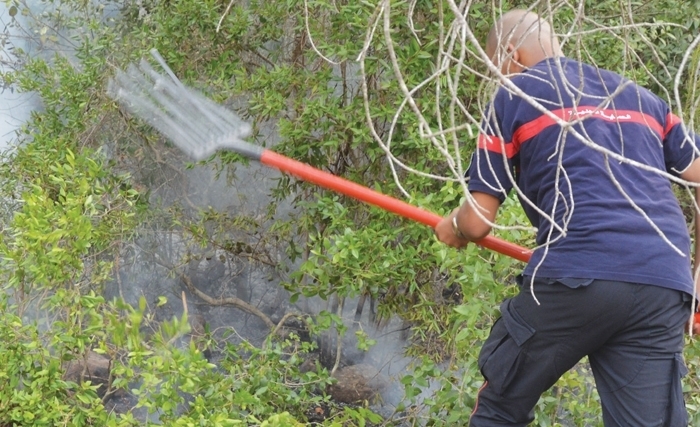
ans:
x=513 y=53
x=516 y=56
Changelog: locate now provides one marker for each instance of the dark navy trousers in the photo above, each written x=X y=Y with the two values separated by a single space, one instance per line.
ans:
x=631 y=333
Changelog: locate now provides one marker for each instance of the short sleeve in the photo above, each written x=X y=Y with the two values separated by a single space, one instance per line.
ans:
x=680 y=145
x=491 y=165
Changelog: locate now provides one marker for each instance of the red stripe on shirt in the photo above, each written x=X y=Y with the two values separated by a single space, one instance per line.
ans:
x=532 y=128
x=671 y=121
x=496 y=145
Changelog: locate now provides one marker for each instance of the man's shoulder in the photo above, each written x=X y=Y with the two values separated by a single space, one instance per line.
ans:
x=564 y=80
x=554 y=71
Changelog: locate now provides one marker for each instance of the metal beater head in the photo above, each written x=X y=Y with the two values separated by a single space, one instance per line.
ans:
x=194 y=123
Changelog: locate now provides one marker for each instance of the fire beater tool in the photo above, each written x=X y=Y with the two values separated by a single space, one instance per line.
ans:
x=200 y=127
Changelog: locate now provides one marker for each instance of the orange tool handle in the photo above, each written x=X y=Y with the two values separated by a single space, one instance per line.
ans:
x=364 y=194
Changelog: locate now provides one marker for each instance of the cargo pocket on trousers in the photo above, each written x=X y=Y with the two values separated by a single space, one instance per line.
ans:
x=502 y=353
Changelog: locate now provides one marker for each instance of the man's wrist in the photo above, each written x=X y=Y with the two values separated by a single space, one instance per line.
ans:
x=456 y=230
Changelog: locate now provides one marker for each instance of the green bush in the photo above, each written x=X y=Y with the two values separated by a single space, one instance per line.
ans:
x=76 y=190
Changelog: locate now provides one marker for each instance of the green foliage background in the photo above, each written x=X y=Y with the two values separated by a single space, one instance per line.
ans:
x=75 y=194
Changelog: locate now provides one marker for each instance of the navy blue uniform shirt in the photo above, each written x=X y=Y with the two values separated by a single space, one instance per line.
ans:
x=597 y=217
